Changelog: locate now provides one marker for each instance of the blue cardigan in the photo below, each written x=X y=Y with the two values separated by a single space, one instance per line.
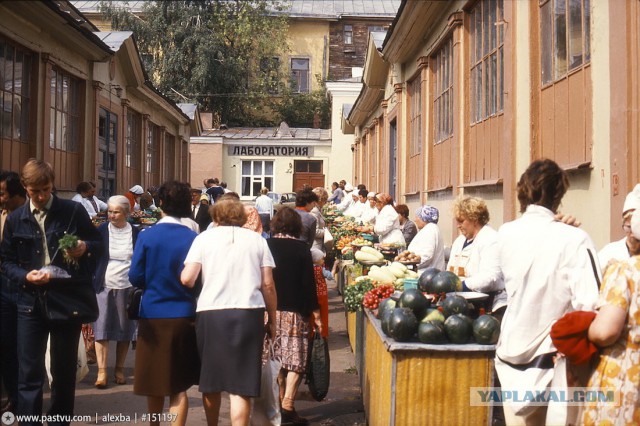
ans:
x=158 y=260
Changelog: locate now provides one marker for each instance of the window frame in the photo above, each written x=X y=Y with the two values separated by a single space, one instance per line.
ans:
x=550 y=70
x=300 y=75
x=443 y=92
x=65 y=112
x=486 y=60
x=414 y=115
x=260 y=179
x=347 y=34
x=18 y=93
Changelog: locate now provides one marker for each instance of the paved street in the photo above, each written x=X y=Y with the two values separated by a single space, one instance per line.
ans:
x=342 y=406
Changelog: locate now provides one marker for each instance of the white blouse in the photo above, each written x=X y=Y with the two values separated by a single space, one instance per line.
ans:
x=120 y=253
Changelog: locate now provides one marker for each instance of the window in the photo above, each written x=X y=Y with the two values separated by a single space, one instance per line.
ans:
x=153 y=153
x=132 y=145
x=564 y=31
x=65 y=112
x=270 y=69
x=375 y=28
x=348 y=34
x=443 y=92
x=15 y=79
x=308 y=166
x=486 y=56
x=107 y=144
x=300 y=75
x=415 y=116
x=169 y=157
x=256 y=174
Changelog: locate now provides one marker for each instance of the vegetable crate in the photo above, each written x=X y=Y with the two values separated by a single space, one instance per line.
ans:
x=417 y=384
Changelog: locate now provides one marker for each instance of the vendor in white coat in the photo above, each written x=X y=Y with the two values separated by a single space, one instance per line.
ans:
x=620 y=250
x=347 y=200
x=474 y=254
x=547 y=272
x=370 y=211
x=428 y=243
x=387 y=225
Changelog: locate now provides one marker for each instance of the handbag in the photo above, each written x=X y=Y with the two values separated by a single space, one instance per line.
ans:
x=133 y=305
x=69 y=299
x=318 y=367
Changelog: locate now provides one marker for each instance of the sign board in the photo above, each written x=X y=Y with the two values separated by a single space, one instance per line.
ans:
x=271 y=150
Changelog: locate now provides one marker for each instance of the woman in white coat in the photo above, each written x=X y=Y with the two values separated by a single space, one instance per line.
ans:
x=387 y=225
x=428 y=243
x=474 y=254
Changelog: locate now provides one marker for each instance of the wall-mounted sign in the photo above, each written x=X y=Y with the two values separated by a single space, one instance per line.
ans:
x=271 y=151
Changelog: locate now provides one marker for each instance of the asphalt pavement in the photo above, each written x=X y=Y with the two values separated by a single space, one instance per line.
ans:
x=342 y=406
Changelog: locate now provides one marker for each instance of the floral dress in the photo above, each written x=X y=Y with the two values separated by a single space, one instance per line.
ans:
x=619 y=366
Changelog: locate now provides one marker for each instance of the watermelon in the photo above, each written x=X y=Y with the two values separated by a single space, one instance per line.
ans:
x=433 y=314
x=459 y=328
x=424 y=281
x=384 y=320
x=385 y=304
x=432 y=332
x=455 y=304
x=403 y=324
x=444 y=282
x=486 y=330
x=414 y=299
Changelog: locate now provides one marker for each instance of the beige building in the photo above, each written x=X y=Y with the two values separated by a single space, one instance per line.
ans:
x=80 y=99
x=282 y=159
x=474 y=91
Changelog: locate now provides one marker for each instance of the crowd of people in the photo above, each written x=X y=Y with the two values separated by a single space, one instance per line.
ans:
x=204 y=322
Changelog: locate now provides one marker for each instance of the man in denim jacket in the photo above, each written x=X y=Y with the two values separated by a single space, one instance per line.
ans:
x=30 y=242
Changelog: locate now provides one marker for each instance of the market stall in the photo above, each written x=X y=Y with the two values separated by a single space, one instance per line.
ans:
x=422 y=384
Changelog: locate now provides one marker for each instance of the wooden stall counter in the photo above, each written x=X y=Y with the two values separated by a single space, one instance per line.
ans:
x=419 y=384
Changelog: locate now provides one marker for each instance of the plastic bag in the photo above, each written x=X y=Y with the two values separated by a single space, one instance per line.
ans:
x=266 y=408
x=82 y=368
x=319 y=367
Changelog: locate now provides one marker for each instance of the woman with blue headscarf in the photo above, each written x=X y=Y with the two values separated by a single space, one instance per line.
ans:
x=428 y=243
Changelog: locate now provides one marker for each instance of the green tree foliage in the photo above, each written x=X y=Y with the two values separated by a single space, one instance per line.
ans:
x=304 y=109
x=210 y=52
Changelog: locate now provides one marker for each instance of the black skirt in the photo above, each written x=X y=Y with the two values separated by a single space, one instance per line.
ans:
x=230 y=346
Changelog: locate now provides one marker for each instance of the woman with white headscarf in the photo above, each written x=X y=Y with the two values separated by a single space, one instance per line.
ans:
x=387 y=225
x=428 y=243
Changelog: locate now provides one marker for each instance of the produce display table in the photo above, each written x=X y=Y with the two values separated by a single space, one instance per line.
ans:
x=419 y=384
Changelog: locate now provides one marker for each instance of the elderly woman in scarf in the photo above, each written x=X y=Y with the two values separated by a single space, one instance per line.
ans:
x=428 y=243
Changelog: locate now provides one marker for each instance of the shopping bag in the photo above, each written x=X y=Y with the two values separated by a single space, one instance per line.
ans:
x=266 y=408
x=318 y=367
x=82 y=368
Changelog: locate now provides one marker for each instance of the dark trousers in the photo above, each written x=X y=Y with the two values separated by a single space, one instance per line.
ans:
x=265 y=218
x=8 y=342
x=34 y=330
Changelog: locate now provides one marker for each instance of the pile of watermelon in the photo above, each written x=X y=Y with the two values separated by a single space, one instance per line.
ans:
x=413 y=315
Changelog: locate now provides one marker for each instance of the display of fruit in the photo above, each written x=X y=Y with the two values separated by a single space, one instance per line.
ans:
x=486 y=330
x=459 y=328
x=455 y=304
x=359 y=241
x=414 y=300
x=387 y=304
x=368 y=254
x=434 y=314
x=425 y=278
x=373 y=297
x=403 y=324
x=354 y=294
x=432 y=332
x=344 y=241
x=407 y=256
x=444 y=282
